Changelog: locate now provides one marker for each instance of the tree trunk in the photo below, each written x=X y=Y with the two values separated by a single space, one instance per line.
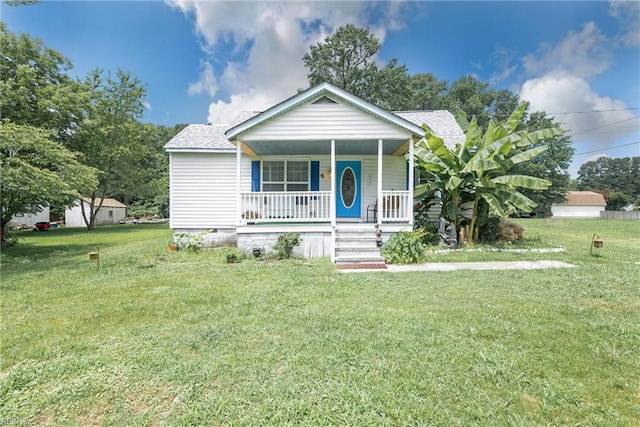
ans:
x=3 y=237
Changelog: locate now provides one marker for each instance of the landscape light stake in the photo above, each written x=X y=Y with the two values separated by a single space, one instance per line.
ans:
x=95 y=255
x=596 y=242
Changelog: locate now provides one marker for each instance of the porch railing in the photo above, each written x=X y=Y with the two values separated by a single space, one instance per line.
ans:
x=298 y=206
x=395 y=206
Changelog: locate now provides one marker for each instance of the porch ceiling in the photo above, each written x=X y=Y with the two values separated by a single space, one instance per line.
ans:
x=311 y=148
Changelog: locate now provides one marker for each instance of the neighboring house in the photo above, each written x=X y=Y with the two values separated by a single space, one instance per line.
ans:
x=319 y=163
x=27 y=219
x=579 y=204
x=111 y=212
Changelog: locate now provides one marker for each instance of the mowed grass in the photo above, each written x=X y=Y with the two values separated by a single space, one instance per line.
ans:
x=186 y=339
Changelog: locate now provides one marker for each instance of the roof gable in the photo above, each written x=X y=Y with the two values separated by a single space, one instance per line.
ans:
x=317 y=93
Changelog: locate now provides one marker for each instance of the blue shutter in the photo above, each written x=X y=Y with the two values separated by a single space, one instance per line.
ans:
x=255 y=176
x=315 y=177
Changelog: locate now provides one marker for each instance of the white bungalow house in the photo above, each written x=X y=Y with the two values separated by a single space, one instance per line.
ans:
x=111 y=212
x=323 y=163
x=579 y=204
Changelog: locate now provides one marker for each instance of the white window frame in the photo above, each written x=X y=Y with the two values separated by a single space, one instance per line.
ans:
x=285 y=183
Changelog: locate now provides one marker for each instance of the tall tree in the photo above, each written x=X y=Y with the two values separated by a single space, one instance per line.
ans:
x=146 y=187
x=427 y=92
x=478 y=170
x=35 y=87
x=478 y=99
x=347 y=60
x=36 y=171
x=553 y=164
x=620 y=175
x=106 y=138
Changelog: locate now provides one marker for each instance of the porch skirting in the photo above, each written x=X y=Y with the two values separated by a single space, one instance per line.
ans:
x=317 y=240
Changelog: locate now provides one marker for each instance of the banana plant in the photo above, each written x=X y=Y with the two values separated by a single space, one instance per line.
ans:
x=477 y=170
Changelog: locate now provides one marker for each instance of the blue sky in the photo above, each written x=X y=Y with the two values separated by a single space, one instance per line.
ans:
x=207 y=61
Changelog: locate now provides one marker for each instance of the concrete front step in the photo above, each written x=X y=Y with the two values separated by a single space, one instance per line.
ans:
x=357 y=252
x=359 y=259
x=356 y=243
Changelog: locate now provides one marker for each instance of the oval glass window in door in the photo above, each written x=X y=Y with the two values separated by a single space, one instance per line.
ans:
x=348 y=187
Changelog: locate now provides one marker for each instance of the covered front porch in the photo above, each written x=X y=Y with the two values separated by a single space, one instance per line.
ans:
x=373 y=184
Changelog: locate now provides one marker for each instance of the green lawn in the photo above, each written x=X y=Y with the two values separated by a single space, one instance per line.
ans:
x=186 y=339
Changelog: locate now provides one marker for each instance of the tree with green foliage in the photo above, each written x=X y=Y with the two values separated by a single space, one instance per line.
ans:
x=553 y=164
x=475 y=174
x=427 y=93
x=146 y=189
x=347 y=60
x=620 y=175
x=36 y=89
x=618 y=201
x=36 y=171
x=107 y=136
x=478 y=99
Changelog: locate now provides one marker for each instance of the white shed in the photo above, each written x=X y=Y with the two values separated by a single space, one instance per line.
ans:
x=30 y=219
x=111 y=212
x=580 y=204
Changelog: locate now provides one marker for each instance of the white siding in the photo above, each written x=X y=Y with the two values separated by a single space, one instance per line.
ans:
x=324 y=122
x=73 y=215
x=203 y=186
x=31 y=219
x=567 y=211
x=203 y=189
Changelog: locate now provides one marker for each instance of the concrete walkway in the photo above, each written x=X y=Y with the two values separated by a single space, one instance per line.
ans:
x=455 y=266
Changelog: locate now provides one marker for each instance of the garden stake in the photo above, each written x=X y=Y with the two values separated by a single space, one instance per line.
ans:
x=95 y=255
x=596 y=242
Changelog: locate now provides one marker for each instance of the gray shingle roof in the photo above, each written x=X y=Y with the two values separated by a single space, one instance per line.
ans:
x=201 y=137
x=212 y=137
x=441 y=122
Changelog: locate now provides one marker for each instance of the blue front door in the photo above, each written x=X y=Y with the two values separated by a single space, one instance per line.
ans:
x=348 y=187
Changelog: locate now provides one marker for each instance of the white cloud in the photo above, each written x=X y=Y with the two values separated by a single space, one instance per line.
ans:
x=584 y=54
x=628 y=12
x=592 y=120
x=206 y=83
x=270 y=37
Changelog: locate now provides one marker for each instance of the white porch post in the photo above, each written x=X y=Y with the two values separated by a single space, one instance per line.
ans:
x=379 y=196
x=332 y=197
x=411 y=179
x=238 y=184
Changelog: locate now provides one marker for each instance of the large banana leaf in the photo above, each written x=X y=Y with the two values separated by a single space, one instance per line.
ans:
x=428 y=160
x=514 y=118
x=525 y=156
x=478 y=164
x=515 y=198
x=494 y=204
x=523 y=181
x=437 y=147
x=453 y=183
x=539 y=135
